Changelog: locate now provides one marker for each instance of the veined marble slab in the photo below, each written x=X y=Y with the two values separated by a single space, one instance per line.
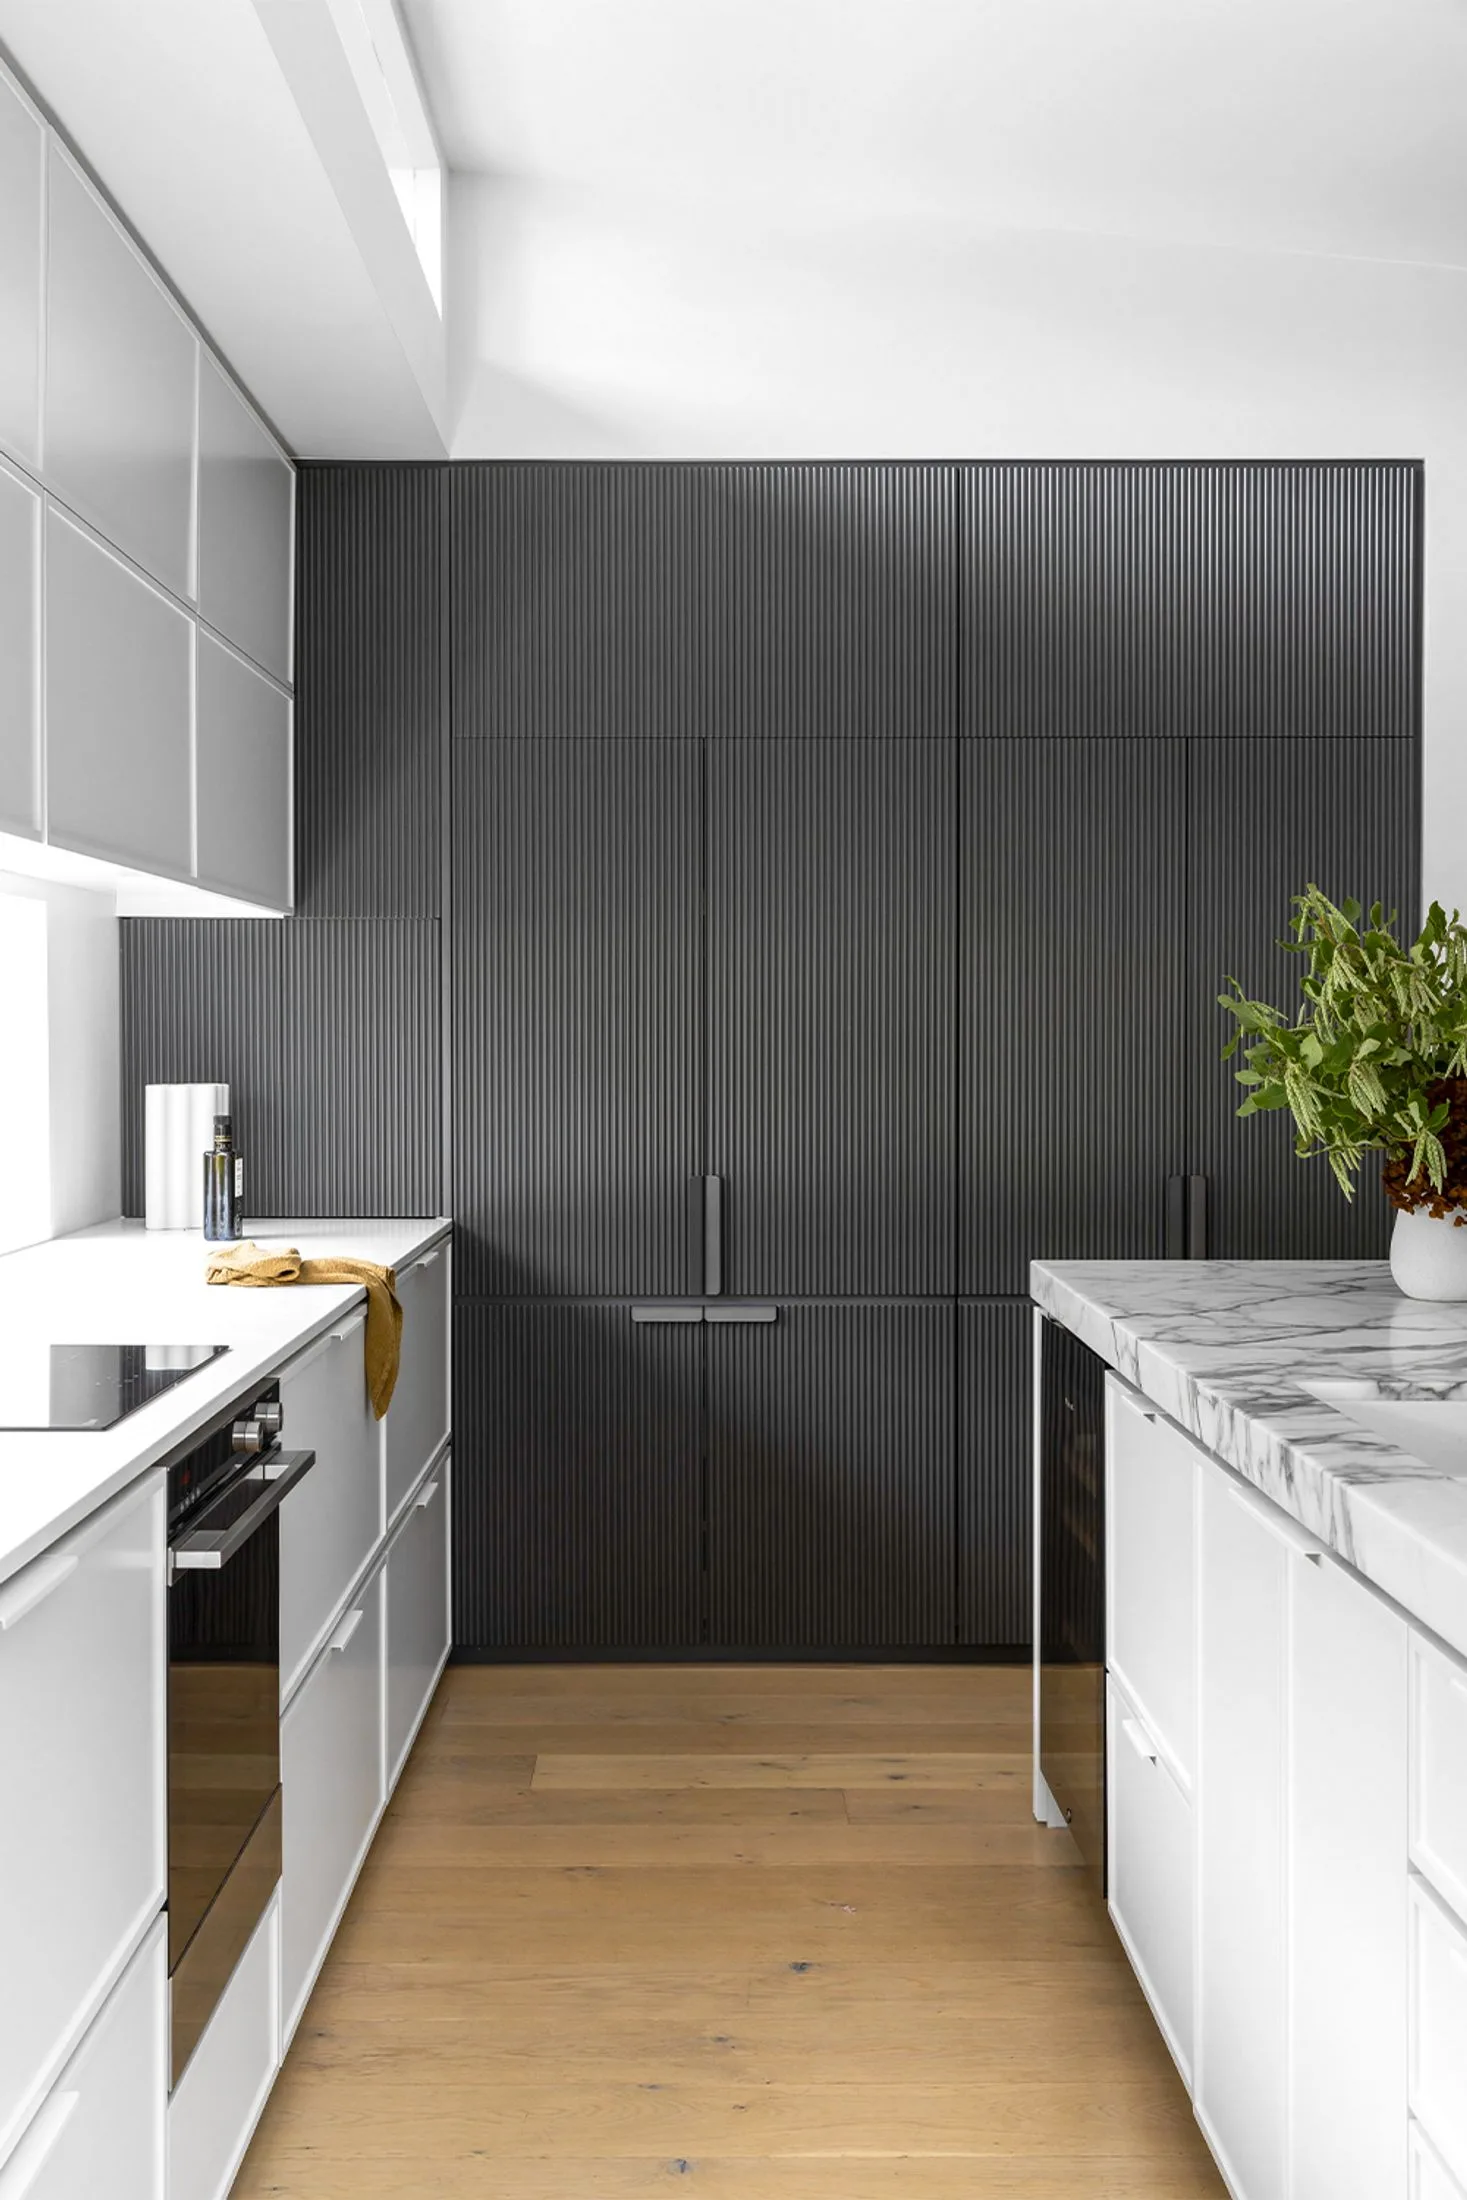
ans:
x=1223 y=1347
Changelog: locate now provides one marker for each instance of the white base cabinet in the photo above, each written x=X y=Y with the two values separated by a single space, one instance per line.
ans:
x=418 y=1616
x=1151 y=1890
x=217 y=2104
x=330 y=1526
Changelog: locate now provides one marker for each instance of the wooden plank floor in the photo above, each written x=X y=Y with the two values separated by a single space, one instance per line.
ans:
x=743 y=1932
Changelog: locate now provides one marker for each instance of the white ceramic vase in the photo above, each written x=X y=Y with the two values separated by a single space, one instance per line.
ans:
x=1429 y=1255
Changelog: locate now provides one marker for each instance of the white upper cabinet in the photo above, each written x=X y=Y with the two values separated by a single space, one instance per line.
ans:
x=119 y=681
x=22 y=152
x=121 y=373
x=243 y=778
x=245 y=518
x=20 y=627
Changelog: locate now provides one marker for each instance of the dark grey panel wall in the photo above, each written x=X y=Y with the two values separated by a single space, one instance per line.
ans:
x=995 y=1478
x=831 y=901
x=1070 y=1008
x=370 y=621
x=1266 y=820
x=577 y=1442
x=830 y=1478
x=703 y=600
x=1190 y=599
x=577 y=986
x=328 y=1034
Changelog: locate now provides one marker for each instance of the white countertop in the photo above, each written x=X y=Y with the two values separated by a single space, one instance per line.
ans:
x=1221 y=1347
x=122 y=1284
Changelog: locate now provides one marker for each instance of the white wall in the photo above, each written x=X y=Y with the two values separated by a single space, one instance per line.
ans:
x=582 y=326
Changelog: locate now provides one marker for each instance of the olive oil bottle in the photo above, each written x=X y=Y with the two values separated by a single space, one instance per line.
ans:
x=223 y=1187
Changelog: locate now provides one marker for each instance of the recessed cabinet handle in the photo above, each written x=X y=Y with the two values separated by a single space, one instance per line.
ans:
x=713 y=1236
x=721 y=1315
x=338 y=1641
x=1139 y=1740
x=643 y=1315
x=425 y=1496
x=32 y=1588
x=37 y=2147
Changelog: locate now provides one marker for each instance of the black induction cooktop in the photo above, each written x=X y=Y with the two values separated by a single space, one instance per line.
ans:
x=90 y=1386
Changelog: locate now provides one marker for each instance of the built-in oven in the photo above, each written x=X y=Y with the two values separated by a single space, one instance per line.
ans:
x=224 y=1797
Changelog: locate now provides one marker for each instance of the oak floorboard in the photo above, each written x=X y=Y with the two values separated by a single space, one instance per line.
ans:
x=687 y=1959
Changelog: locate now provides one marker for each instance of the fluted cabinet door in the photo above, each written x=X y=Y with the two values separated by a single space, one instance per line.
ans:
x=577 y=1015
x=995 y=1504
x=831 y=905
x=1267 y=819
x=1071 y=1104
x=830 y=1478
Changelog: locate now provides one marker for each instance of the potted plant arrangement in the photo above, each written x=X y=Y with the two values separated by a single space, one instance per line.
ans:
x=1374 y=1062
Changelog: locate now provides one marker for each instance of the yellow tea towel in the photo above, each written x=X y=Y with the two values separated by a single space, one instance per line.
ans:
x=251 y=1264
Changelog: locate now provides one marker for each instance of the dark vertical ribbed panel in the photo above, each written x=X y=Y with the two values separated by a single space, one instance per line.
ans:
x=201 y=1002
x=830 y=1478
x=1269 y=818
x=1190 y=599
x=830 y=605
x=361 y=1067
x=578 y=602
x=576 y=1496
x=1071 y=1104
x=577 y=1016
x=995 y=1472
x=830 y=1005
x=369 y=721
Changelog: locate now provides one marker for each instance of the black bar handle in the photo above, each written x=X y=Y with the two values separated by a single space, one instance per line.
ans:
x=1197 y=1218
x=713 y=1236
x=1174 y=1225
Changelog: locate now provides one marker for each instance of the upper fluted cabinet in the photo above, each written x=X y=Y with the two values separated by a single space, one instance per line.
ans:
x=1122 y=600
x=704 y=600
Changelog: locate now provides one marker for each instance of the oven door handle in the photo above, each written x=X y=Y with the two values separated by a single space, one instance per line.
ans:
x=205 y=1550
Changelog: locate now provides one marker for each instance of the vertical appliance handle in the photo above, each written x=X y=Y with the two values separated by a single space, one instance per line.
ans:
x=713 y=1237
x=1174 y=1223
x=1196 y=1218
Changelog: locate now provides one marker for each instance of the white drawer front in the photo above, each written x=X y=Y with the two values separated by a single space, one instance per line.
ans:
x=1151 y=1871
x=330 y=1526
x=82 y=1840
x=1439 y=2026
x=331 y=1768
x=100 y=2129
x=1439 y=1771
x=1430 y=2177
x=1151 y=1599
x=417 y=1613
x=417 y=1420
x=231 y=2071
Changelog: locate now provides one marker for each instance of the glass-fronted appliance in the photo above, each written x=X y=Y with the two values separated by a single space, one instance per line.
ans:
x=224 y=1796
x=1072 y=1586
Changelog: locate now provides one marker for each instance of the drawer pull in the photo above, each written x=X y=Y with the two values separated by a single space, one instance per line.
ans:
x=425 y=1496
x=37 y=2147
x=338 y=1641
x=1139 y=1740
x=34 y=1586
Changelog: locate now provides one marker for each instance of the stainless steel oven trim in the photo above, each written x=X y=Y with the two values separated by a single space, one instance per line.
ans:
x=205 y=1549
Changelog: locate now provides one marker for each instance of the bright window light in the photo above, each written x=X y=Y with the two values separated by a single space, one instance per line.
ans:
x=376 y=46
x=25 y=1085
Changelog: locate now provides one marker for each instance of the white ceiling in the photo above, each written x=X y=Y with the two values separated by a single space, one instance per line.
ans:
x=1321 y=126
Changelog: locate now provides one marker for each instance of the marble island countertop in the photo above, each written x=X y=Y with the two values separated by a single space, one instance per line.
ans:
x=1227 y=1348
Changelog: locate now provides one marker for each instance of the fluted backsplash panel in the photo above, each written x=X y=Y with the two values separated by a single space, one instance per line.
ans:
x=831 y=895
x=371 y=612
x=1154 y=600
x=995 y=1472
x=830 y=1478
x=577 y=972
x=1266 y=820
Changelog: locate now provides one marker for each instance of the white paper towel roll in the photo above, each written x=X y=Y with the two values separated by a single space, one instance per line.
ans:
x=179 y=1130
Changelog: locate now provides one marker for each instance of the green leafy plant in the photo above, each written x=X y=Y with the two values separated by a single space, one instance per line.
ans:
x=1375 y=1061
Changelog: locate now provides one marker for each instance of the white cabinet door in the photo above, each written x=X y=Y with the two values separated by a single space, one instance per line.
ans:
x=119 y=708
x=1151 y=1601
x=1150 y=1871
x=331 y=1768
x=1347 y=1887
x=100 y=2129
x=121 y=367
x=331 y=1524
x=243 y=778
x=22 y=159
x=417 y=1420
x=1241 y=2058
x=418 y=1620
x=245 y=511
x=1439 y=1770
x=83 y=1673
x=1438 y=2073
x=20 y=652
x=218 y=2099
